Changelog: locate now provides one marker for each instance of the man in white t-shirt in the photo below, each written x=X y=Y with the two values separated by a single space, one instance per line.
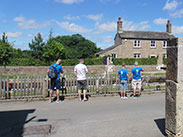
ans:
x=80 y=71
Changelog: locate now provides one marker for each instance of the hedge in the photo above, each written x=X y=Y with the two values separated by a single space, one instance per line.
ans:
x=26 y=62
x=164 y=61
x=131 y=61
x=88 y=61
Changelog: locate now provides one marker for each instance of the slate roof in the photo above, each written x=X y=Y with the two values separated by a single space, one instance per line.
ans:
x=145 y=35
x=107 y=49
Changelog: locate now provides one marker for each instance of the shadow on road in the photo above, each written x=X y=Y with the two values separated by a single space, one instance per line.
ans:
x=161 y=125
x=12 y=122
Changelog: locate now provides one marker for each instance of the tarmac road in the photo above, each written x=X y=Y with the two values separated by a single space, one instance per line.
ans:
x=99 y=117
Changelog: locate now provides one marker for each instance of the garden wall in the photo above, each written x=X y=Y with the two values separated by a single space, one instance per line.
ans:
x=42 y=70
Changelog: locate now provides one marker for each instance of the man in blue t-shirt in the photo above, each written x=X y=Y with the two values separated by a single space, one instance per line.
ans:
x=136 y=78
x=123 y=76
x=56 y=81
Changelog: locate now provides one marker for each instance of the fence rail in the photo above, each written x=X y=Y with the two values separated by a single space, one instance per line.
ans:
x=37 y=86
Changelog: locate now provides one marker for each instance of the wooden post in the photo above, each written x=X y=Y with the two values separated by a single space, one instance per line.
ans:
x=44 y=91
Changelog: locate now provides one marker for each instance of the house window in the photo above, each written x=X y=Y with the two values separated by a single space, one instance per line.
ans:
x=164 y=44
x=114 y=55
x=137 y=55
x=153 y=44
x=164 y=55
x=153 y=56
x=137 y=43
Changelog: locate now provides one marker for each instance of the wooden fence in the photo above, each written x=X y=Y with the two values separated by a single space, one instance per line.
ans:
x=37 y=86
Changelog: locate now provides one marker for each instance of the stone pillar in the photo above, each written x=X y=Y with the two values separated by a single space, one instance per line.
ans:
x=160 y=59
x=174 y=88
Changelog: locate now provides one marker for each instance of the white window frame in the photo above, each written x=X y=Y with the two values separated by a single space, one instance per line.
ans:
x=136 y=55
x=137 y=43
x=164 y=44
x=153 y=56
x=164 y=55
x=114 y=55
x=153 y=44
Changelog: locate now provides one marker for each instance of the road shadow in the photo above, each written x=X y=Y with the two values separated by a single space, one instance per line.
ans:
x=161 y=125
x=12 y=122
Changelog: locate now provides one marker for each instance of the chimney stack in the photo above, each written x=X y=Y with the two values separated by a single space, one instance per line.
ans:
x=169 y=27
x=119 y=25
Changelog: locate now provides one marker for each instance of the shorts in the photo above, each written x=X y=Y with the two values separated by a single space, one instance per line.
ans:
x=55 y=83
x=81 y=84
x=123 y=84
x=136 y=83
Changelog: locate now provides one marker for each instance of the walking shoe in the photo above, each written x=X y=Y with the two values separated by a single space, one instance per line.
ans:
x=49 y=101
x=134 y=97
x=58 y=101
x=125 y=97
x=121 y=97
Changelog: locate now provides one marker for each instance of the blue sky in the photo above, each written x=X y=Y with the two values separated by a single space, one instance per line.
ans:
x=96 y=20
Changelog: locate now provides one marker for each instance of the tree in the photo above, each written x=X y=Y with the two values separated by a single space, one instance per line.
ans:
x=53 y=51
x=37 y=47
x=76 y=46
x=6 y=51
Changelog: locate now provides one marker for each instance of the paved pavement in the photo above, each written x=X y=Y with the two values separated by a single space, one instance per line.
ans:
x=99 y=117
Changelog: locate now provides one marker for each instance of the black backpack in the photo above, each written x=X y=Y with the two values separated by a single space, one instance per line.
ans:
x=53 y=72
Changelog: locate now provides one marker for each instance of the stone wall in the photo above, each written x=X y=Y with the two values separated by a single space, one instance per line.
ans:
x=174 y=88
x=42 y=70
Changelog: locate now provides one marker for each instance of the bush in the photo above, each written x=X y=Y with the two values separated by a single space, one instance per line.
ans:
x=70 y=62
x=94 y=61
x=164 y=61
x=131 y=61
x=88 y=61
x=26 y=62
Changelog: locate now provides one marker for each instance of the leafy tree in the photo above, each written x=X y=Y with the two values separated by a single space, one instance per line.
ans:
x=53 y=51
x=76 y=46
x=37 y=47
x=6 y=51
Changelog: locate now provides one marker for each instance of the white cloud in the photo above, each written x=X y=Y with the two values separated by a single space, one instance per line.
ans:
x=69 y=1
x=160 y=21
x=106 y=27
x=19 y=19
x=14 y=34
x=170 y=5
x=4 y=21
x=68 y=17
x=177 y=29
x=144 y=25
x=24 y=23
x=95 y=17
x=72 y=27
x=107 y=39
x=34 y=35
x=177 y=14
x=127 y=25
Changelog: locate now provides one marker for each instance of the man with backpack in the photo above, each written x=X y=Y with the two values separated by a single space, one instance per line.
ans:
x=54 y=74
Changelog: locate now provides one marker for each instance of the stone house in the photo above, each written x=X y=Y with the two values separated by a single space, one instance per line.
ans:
x=138 y=44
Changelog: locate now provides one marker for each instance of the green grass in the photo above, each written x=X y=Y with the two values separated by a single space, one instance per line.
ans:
x=154 y=87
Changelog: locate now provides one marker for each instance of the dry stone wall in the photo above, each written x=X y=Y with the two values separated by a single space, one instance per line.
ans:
x=42 y=70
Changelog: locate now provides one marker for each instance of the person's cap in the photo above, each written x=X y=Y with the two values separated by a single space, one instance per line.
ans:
x=136 y=63
x=123 y=64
